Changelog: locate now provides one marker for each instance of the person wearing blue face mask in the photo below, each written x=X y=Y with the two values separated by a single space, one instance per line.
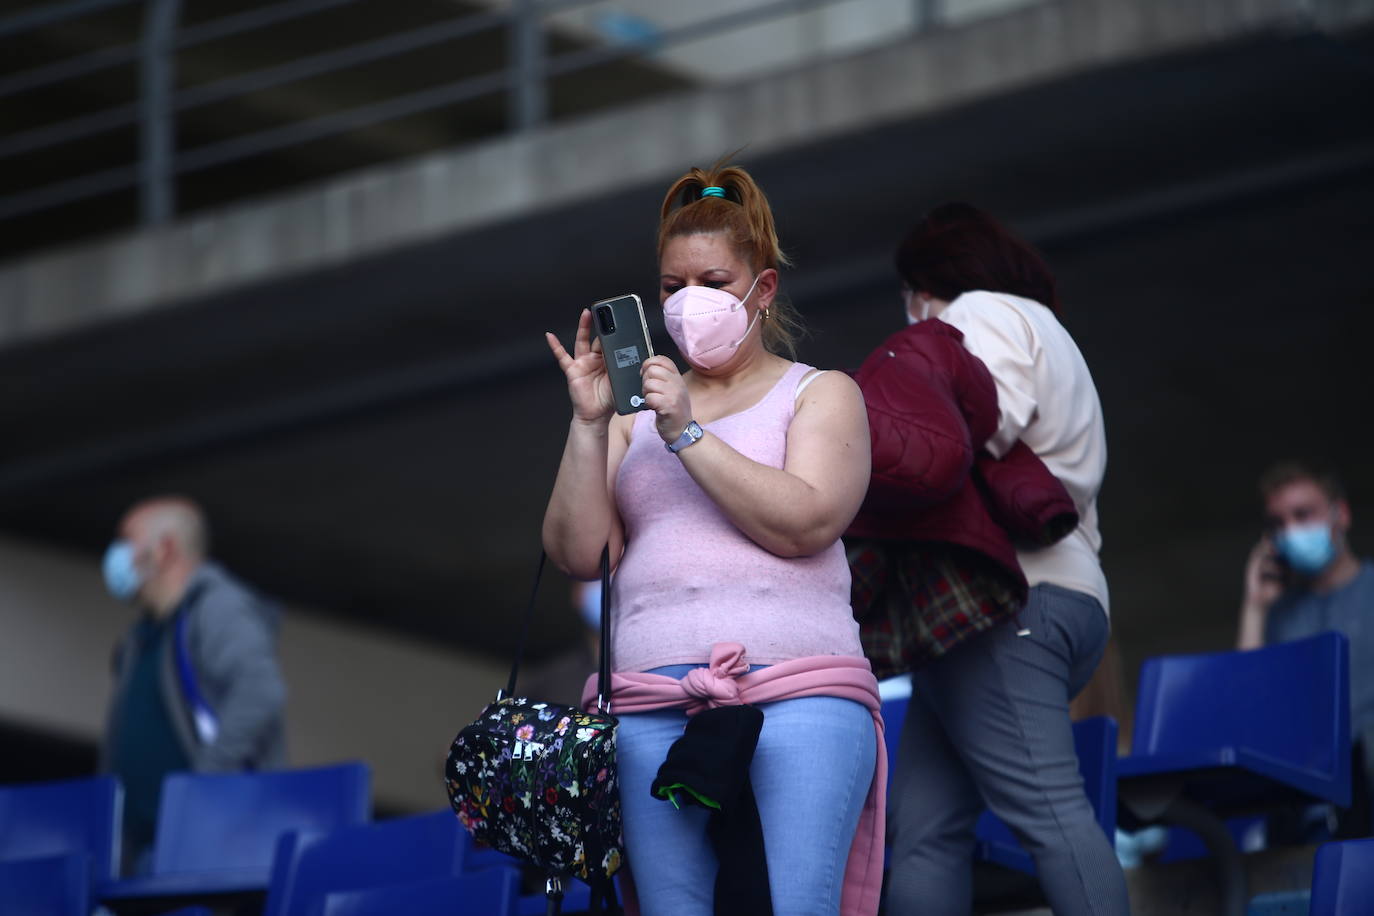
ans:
x=1301 y=579
x=197 y=684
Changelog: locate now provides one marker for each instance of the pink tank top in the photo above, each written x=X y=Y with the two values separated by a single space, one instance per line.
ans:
x=690 y=579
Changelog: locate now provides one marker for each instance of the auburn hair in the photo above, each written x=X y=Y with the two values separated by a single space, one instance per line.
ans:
x=744 y=218
x=957 y=248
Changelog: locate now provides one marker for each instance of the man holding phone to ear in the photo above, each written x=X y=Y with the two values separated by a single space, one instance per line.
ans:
x=1302 y=578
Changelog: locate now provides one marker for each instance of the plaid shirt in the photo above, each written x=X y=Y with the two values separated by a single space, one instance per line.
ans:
x=916 y=601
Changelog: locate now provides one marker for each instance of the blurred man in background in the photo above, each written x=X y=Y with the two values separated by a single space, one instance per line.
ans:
x=1302 y=579
x=197 y=685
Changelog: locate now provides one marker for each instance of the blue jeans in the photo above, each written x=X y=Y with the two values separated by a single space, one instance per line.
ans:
x=811 y=774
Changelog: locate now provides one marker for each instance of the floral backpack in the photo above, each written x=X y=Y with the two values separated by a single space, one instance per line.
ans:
x=538 y=781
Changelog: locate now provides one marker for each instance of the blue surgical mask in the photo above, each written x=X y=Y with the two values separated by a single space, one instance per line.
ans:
x=1309 y=549
x=122 y=577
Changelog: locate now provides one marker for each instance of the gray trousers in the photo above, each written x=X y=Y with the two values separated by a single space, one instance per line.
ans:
x=988 y=725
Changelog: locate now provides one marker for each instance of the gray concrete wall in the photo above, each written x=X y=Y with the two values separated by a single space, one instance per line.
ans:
x=519 y=175
x=355 y=694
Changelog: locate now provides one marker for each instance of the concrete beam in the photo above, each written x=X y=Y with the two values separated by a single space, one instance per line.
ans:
x=518 y=176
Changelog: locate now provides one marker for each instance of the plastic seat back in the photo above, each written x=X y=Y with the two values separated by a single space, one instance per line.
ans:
x=212 y=821
x=1289 y=702
x=57 y=818
x=309 y=866
x=490 y=892
x=894 y=715
x=478 y=857
x=1343 y=878
x=51 y=886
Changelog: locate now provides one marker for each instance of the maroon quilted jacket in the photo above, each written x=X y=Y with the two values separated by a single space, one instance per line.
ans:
x=932 y=406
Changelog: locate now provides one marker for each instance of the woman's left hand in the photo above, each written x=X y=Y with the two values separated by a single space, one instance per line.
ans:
x=665 y=393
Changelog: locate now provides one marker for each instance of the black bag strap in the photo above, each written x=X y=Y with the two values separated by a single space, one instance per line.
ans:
x=603 y=674
x=604 y=898
x=603 y=669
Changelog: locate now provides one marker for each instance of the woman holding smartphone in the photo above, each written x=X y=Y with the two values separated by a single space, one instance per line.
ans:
x=723 y=503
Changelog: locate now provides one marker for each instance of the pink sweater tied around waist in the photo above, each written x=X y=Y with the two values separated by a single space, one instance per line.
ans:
x=728 y=682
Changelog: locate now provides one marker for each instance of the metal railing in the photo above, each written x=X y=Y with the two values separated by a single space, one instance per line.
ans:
x=154 y=171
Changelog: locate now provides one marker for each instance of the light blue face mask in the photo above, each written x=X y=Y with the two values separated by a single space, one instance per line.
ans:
x=122 y=578
x=1309 y=549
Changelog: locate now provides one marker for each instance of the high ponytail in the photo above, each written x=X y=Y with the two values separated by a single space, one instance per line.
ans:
x=744 y=217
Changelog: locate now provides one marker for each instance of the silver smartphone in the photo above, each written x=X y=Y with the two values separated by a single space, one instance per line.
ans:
x=619 y=323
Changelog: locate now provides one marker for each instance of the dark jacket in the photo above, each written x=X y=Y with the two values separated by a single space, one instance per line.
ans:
x=230 y=640
x=709 y=766
x=932 y=406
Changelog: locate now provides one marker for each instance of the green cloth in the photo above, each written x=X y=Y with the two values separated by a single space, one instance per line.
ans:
x=670 y=793
x=148 y=747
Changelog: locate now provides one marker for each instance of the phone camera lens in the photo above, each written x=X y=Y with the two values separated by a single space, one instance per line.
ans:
x=606 y=318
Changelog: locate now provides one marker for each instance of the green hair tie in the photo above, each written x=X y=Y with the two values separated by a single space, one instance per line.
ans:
x=713 y=192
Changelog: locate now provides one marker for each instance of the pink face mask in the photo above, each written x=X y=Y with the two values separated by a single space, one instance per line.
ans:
x=707 y=324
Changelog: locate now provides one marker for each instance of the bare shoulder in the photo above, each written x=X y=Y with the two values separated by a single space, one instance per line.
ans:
x=828 y=390
x=830 y=425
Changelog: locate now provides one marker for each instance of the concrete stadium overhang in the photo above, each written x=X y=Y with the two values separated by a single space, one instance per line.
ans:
x=353 y=379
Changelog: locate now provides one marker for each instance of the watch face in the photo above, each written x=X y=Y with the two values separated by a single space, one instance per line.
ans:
x=694 y=430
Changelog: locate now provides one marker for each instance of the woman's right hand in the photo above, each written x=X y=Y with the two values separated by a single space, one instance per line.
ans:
x=589 y=387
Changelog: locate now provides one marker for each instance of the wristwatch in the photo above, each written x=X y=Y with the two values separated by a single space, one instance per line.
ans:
x=692 y=433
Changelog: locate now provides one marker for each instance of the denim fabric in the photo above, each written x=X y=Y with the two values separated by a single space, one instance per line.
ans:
x=988 y=724
x=811 y=774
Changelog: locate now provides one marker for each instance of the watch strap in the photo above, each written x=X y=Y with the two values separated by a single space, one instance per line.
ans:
x=686 y=438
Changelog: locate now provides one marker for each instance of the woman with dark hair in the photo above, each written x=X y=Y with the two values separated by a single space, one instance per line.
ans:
x=988 y=722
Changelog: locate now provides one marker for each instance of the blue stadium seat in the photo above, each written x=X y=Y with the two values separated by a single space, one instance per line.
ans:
x=478 y=857
x=1229 y=734
x=310 y=865
x=1094 y=741
x=56 y=818
x=1343 y=878
x=489 y=892
x=894 y=715
x=217 y=833
x=1247 y=728
x=50 y=886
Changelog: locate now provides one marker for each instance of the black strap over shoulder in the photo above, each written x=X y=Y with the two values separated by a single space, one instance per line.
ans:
x=603 y=675
x=602 y=895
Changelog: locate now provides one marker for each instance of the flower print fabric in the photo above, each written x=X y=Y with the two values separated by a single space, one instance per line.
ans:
x=537 y=781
